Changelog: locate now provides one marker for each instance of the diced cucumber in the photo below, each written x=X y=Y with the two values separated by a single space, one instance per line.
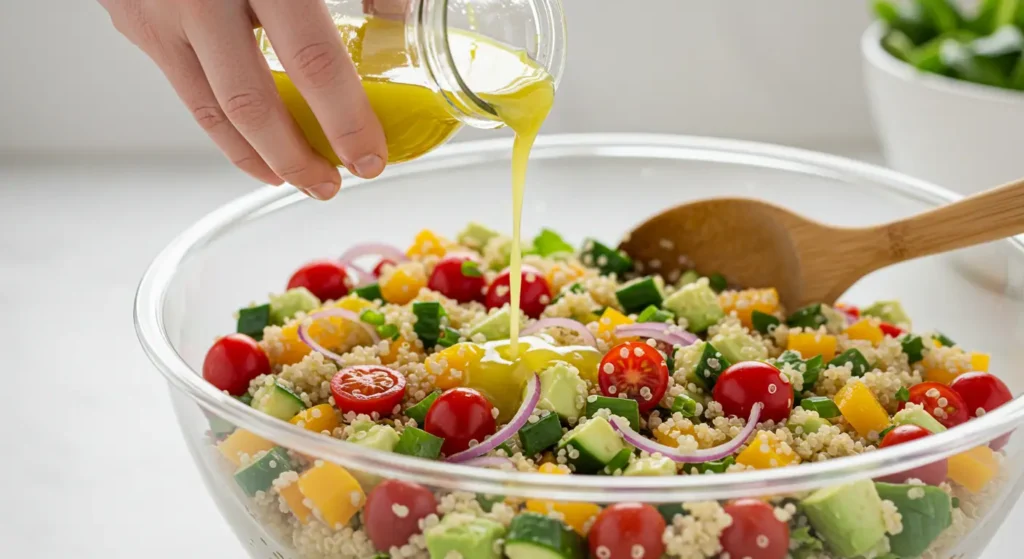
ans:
x=286 y=305
x=535 y=536
x=277 y=401
x=684 y=405
x=497 y=325
x=916 y=415
x=688 y=277
x=622 y=407
x=651 y=466
x=669 y=511
x=913 y=346
x=927 y=511
x=260 y=475
x=419 y=443
x=475 y=236
x=591 y=445
x=620 y=462
x=419 y=411
x=540 y=436
x=855 y=358
x=763 y=322
x=826 y=408
x=654 y=314
x=562 y=390
x=428 y=321
x=369 y=292
x=711 y=364
x=640 y=293
x=697 y=303
x=807 y=317
x=607 y=260
x=252 y=321
x=547 y=242
x=811 y=425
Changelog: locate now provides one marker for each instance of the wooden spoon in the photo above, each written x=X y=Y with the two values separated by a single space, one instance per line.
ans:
x=756 y=244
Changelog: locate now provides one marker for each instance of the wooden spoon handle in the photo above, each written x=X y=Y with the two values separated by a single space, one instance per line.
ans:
x=988 y=216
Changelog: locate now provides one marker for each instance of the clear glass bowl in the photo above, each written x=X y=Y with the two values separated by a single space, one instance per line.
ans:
x=582 y=185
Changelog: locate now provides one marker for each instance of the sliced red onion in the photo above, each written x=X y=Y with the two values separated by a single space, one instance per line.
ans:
x=343 y=313
x=363 y=277
x=697 y=457
x=489 y=462
x=520 y=419
x=672 y=335
x=567 y=323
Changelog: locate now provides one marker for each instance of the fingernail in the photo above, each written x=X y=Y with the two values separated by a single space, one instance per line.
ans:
x=324 y=191
x=368 y=166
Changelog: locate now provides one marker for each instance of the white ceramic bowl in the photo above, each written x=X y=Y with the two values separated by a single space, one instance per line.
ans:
x=961 y=135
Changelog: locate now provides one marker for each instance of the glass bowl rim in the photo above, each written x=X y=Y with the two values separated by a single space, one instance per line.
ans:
x=152 y=292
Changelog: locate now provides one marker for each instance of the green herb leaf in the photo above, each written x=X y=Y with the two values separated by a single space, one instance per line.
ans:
x=826 y=408
x=763 y=322
x=685 y=405
x=913 y=346
x=903 y=395
x=717 y=282
x=548 y=242
x=471 y=269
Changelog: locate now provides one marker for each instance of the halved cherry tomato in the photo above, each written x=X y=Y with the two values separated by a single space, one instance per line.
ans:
x=891 y=330
x=233 y=361
x=460 y=416
x=849 y=310
x=940 y=401
x=458 y=276
x=379 y=268
x=982 y=393
x=535 y=294
x=367 y=389
x=637 y=370
x=932 y=474
x=755 y=531
x=627 y=530
x=327 y=279
x=393 y=512
x=748 y=382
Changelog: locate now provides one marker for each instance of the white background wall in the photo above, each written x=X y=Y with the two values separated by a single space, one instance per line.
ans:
x=782 y=70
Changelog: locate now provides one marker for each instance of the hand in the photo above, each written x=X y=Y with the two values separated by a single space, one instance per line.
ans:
x=208 y=51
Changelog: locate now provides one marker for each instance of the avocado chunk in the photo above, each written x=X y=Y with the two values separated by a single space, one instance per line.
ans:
x=465 y=535
x=475 y=236
x=889 y=311
x=651 y=466
x=277 y=401
x=697 y=303
x=926 y=512
x=848 y=517
x=286 y=305
x=915 y=415
x=739 y=346
x=536 y=536
x=562 y=390
x=591 y=445
x=812 y=424
x=497 y=325
x=380 y=437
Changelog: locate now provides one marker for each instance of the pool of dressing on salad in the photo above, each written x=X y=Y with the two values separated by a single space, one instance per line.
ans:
x=416 y=118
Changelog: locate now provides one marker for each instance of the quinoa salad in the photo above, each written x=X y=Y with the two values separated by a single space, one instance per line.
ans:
x=615 y=373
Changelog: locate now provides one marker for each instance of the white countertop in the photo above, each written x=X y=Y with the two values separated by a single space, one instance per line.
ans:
x=98 y=467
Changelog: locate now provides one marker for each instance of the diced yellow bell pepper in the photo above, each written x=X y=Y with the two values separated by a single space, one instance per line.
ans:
x=401 y=284
x=810 y=344
x=864 y=329
x=575 y=515
x=946 y=375
x=562 y=274
x=394 y=346
x=745 y=302
x=610 y=320
x=330 y=332
x=318 y=418
x=860 y=407
x=766 y=451
x=293 y=498
x=334 y=493
x=428 y=243
x=974 y=469
x=670 y=436
x=243 y=443
x=451 y=365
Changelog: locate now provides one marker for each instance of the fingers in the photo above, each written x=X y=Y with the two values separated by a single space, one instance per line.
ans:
x=221 y=34
x=307 y=42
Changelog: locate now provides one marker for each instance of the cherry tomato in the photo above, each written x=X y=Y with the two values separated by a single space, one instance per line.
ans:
x=746 y=383
x=637 y=370
x=535 y=293
x=932 y=474
x=891 y=330
x=367 y=389
x=459 y=416
x=627 y=531
x=849 y=310
x=940 y=401
x=327 y=279
x=754 y=532
x=233 y=361
x=450 y=279
x=379 y=268
x=393 y=511
x=982 y=393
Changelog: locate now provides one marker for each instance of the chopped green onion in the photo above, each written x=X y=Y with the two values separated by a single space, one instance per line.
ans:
x=428 y=321
x=369 y=292
x=548 y=242
x=685 y=405
x=419 y=411
x=856 y=358
x=388 y=331
x=622 y=407
x=826 y=408
x=654 y=314
x=471 y=269
x=717 y=282
x=913 y=346
x=371 y=316
x=903 y=395
x=253 y=320
x=944 y=339
x=449 y=338
x=763 y=322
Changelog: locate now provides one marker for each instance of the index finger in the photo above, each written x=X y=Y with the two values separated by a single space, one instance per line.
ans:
x=310 y=48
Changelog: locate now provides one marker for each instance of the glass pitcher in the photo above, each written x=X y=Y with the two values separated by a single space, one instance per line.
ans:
x=427 y=66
